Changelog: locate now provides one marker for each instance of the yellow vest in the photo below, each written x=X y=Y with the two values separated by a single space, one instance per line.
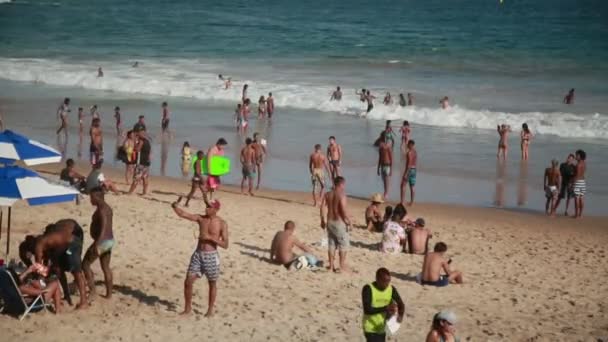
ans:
x=376 y=323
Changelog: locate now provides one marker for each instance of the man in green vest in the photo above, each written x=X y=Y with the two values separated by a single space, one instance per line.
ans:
x=380 y=301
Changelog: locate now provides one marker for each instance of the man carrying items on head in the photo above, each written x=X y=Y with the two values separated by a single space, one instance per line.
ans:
x=380 y=301
x=65 y=237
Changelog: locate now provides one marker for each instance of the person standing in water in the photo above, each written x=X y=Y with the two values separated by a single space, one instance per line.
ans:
x=388 y=100
x=402 y=102
x=406 y=131
x=213 y=233
x=248 y=163
x=260 y=154
x=410 y=99
x=244 y=93
x=336 y=95
x=81 y=119
x=270 y=105
x=362 y=94
x=526 y=135
x=103 y=242
x=245 y=115
x=567 y=170
x=164 y=122
x=334 y=156
x=261 y=107
x=62 y=114
x=503 y=142
x=370 y=101
x=389 y=135
x=96 y=146
x=118 y=118
x=551 y=183
x=94 y=113
x=238 y=118
x=385 y=163
x=317 y=163
x=445 y=102
x=409 y=175
x=99 y=72
x=580 y=185
x=569 y=98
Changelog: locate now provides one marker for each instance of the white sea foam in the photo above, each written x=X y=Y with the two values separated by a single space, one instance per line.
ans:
x=192 y=79
x=5 y=1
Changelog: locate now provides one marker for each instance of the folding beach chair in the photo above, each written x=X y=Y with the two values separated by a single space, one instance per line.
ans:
x=16 y=303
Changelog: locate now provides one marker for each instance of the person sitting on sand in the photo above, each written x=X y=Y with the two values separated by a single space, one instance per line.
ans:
x=373 y=217
x=442 y=328
x=405 y=220
x=281 y=249
x=380 y=301
x=96 y=179
x=32 y=285
x=68 y=174
x=393 y=236
x=418 y=237
x=388 y=213
x=433 y=263
x=213 y=232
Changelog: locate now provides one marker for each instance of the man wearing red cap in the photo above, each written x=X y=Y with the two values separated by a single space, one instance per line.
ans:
x=213 y=232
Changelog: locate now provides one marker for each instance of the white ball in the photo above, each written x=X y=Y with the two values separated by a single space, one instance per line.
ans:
x=263 y=142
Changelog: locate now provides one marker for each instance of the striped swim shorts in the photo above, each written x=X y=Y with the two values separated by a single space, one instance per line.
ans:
x=579 y=188
x=205 y=263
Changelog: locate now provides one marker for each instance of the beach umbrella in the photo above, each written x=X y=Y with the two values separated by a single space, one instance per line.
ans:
x=17 y=183
x=15 y=147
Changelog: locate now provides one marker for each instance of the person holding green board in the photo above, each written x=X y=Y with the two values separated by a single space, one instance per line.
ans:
x=213 y=181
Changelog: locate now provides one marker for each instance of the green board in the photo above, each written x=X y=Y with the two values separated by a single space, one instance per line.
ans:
x=219 y=165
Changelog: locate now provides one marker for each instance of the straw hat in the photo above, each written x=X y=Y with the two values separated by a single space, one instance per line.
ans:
x=377 y=198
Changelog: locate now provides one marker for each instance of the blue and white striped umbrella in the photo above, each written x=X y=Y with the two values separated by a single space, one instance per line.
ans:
x=14 y=147
x=17 y=183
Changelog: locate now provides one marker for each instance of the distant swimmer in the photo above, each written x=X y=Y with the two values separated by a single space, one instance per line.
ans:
x=409 y=175
x=238 y=118
x=406 y=131
x=164 y=122
x=136 y=64
x=410 y=99
x=402 y=101
x=388 y=100
x=227 y=81
x=118 y=118
x=336 y=95
x=244 y=94
x=503 y=142
x=526 y=135
x=569 y=98
x=334 y=156
x=361 y=94
x=370 y=101
x=99 y=72
x=385 y=163
x=270 y=105
x=62 y=114
x=261 y=107
x=445 y=102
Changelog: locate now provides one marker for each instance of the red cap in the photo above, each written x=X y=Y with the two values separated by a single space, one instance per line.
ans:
x=215 y=204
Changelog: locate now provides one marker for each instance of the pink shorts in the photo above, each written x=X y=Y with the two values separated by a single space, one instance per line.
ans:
x=213 y=182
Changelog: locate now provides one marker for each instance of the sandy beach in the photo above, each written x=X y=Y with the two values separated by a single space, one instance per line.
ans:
x=528 y=277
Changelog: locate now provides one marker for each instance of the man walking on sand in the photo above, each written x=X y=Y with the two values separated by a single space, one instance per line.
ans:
x=409 y=175
x=198 y=179
x=142 y=168
x=317 y=164
x=213 y=232
x=103 y=242
x=385 y=163
x=337 y=224
x=248 y=162
x=334 y=155
x=580 y=185
x=260 y=153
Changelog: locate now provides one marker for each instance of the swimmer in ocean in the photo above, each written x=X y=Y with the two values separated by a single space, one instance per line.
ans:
x=370 y=101
x=410 y=99
x=336 y=95
x=244 y=94
x=99 y=72
x=388 y=100
x=569 y=98
x=136 y=64
x=227 y=81
x=445 y=102
x=361 y=94
x=402 y=102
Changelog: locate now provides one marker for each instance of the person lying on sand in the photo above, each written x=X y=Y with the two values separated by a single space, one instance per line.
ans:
x=373 y=217
x=418 y=237
x=281 y=249
x=433 y=263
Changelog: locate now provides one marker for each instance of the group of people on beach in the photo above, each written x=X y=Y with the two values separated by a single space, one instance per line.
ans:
x=243 y=110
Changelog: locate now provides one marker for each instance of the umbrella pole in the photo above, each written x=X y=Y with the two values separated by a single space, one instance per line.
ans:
x=8 y=231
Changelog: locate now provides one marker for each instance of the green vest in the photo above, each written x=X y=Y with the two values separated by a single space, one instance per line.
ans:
x=376 y=323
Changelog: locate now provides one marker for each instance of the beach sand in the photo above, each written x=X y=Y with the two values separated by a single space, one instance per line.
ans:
x=528 y=277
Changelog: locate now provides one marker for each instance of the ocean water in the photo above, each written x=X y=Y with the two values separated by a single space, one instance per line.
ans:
x=509 y=62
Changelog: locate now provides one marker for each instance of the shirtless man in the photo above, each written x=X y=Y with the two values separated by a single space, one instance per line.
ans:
x=385 y=162
x=418 y=237
x=503 y=131
x=433 y=263
x=370 y=101
x=334 y=156
x=336 y=95
x=248 y=162
x=270 y=105
x=552 y=181
x=362 y=94
x=244 y=93
x=118 y=118
x=409 y=175
x=64 y=238
x=281 y=249
x=569 y=98
x=260 y=153
x=198 y=179
x=445 y=102
x=410 y=99
x=337 y=223
x=317 y=164
x=96 y=147
x=99 y=72
x=164 y=122
x=103 y=242
x=213 y=181
x=213 y=232
x=579 y=186
x=388 y=100
x=62 y=114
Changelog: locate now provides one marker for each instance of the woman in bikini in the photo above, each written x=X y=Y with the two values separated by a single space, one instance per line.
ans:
x=261 y=107
x=526 y=135
x=503 y=131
